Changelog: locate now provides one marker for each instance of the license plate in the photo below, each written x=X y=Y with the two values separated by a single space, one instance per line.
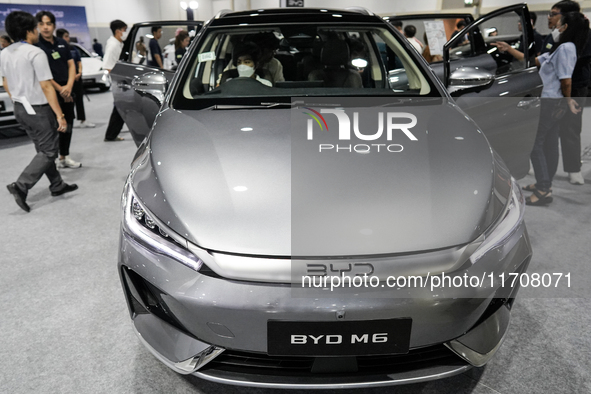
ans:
x=338 y=338
x=89 y=80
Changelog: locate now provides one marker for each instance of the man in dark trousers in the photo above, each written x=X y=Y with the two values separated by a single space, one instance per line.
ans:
x=64 y=74
x=78 y=91
x=112 y=53
x=155 y=57
x=572 y=124
x=27 y=79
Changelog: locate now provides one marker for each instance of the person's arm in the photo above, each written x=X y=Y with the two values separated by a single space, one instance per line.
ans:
x=79 y=75
x=67 y=91
x=49 y=92
x=5 y=83
x=158 y=59
x=565 y=88
x=504 y=47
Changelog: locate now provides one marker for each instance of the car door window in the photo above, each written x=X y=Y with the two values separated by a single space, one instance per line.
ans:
x=140 y=49
x=478 y=48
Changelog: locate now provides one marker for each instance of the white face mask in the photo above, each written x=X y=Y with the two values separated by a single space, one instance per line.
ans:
x=555 y=35
x=124 y=36
x=245 y=71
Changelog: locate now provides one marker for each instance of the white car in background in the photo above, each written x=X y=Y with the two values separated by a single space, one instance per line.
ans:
x=93 y=75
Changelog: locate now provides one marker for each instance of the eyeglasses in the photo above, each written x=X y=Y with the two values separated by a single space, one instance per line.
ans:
x=553 y=14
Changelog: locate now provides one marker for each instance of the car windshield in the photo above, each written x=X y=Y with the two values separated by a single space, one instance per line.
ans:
x=248 y=65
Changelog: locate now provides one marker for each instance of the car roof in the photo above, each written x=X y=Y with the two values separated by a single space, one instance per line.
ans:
x=295 y=15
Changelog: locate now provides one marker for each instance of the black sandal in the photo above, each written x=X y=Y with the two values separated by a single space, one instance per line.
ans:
x=531 y=188
x=543 y=198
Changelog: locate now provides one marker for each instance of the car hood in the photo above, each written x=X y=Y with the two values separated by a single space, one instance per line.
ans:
x=243 y=181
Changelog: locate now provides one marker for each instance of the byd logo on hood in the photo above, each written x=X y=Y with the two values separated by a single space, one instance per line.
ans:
x=392 y=120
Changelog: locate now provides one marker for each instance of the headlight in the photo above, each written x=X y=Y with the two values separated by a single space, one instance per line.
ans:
x=510 y=219
x=147 y=230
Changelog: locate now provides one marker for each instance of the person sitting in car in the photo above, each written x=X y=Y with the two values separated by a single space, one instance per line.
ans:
x=245 y=57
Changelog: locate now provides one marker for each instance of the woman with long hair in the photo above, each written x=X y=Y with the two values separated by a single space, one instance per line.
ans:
x=556 y=70
x=181 y=42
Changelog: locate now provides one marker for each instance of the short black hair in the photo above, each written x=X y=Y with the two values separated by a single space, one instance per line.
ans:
x=410 y=31
x=8 y=39
x=95 y=40
x=461 y=24
x=117 y=24
x=39 y=16
x=534 y=17
x=18 y=23
x=155 y=29
x=60 y=33
x=567 y=6
x=397 y=24
x=246 y=48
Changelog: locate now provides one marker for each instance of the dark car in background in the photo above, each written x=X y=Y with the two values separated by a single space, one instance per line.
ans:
x=243 y=189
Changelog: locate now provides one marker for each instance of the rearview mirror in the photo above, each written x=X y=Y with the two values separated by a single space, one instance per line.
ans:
x=152 y=85
x=469 y=78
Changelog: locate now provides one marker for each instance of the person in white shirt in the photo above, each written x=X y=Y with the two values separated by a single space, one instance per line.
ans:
x=409 y=32
x=112 y=53
x=27 y=79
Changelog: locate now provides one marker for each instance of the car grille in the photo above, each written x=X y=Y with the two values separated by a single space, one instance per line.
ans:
x=262 y=364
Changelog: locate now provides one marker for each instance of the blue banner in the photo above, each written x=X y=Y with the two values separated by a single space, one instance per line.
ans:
x=71 y=18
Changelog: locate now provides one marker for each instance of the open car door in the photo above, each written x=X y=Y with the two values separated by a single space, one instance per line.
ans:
x=137 y=110
x=505 y=105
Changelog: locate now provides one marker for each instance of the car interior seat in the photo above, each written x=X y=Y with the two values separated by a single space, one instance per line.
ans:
x=335 y=74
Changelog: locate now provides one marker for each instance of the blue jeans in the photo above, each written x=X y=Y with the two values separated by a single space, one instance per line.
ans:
x=544 y=155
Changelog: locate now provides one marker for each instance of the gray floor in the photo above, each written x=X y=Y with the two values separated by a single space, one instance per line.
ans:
x=64 y=324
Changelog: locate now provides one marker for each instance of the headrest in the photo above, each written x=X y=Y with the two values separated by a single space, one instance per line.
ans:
x=335 y=53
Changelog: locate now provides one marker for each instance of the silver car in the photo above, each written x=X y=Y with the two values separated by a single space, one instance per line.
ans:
x=272 y=237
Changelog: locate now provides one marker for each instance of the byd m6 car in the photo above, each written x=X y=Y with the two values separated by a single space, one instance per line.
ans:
x=272 y=237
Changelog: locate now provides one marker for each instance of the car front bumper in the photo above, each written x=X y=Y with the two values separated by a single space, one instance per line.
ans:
x=216 y=328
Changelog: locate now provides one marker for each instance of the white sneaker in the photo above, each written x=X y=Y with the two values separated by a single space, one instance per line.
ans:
x=85 y=125
x=576 y=178
x=69 y=163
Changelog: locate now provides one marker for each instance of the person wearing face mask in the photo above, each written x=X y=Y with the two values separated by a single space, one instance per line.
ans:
x=245 y=57
x=556 y=71
x=112 y=52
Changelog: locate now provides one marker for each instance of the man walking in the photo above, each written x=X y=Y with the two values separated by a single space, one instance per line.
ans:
x=27 y=79
x=112 y=53
x=63 y=70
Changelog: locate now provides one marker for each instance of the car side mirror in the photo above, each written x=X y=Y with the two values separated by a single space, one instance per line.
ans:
x=469 y=78
x=152 y=85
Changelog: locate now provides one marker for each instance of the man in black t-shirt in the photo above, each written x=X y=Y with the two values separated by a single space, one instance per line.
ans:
x=63 y=70
x=155 y=59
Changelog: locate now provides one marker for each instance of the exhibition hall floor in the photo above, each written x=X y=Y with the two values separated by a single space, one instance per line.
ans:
x=65 y=327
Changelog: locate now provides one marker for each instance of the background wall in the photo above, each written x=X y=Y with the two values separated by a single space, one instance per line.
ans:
x=101 y=12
